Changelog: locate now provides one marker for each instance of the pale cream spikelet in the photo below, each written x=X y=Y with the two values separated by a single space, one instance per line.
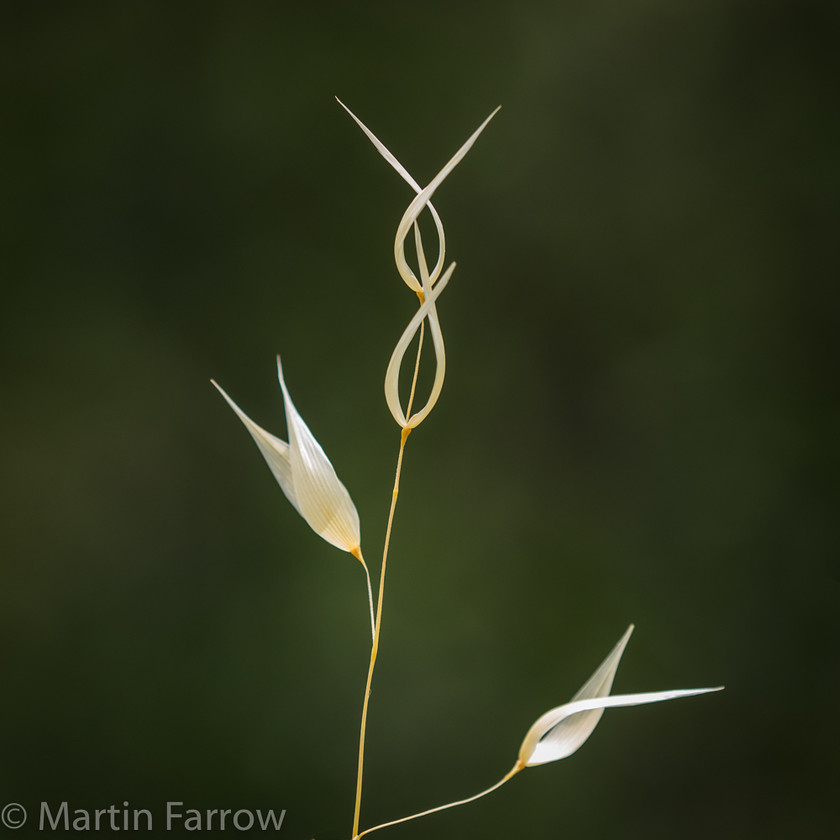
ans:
x=306 y=475
x=563 y=730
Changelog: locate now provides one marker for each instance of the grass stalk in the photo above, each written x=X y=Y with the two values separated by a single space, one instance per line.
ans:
x=374 y=650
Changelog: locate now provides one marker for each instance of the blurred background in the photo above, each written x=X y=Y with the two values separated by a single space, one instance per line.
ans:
x=639 y=420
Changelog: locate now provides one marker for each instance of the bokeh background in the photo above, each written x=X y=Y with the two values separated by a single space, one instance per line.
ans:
x=639 y=421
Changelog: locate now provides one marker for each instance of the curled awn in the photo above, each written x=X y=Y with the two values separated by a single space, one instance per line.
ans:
x=430 y=284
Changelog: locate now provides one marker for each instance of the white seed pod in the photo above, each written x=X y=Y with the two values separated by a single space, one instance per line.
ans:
x=563 y=730
x=306 y=475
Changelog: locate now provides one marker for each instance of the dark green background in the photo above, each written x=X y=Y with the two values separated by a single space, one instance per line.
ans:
x=639 y=421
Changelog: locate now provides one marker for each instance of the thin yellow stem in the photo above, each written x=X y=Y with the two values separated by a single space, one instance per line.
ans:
x=416 y=362
x=378 y=623
x=357 y=553
x=510 y=774
x=377 y=629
